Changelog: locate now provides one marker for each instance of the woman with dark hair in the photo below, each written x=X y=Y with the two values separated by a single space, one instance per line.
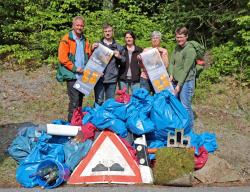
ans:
x=130 y=72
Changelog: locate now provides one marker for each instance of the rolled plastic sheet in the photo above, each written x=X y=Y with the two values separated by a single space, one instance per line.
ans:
x=62 y=130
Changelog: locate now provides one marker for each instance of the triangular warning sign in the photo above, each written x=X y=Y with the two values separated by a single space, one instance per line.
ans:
x=108 y=161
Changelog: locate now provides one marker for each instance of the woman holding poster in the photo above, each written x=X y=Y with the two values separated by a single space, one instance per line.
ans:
x=130 y=72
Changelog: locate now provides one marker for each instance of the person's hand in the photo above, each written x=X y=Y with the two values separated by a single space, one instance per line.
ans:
x=140 y=61
x=171 y=78
x=177 y=89
x=95 y=45
x=117 y=54
x=79 y=70
x=139 y=57
x=160 y=49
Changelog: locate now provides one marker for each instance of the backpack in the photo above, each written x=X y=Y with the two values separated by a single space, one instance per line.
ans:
x=200 y=52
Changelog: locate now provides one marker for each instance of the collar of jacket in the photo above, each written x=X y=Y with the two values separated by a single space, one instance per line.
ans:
x=72 y=38
x=187 y=43
x=136 y=48
x=102 y=41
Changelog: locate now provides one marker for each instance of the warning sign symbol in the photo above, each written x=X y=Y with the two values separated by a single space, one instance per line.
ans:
x=108 y=161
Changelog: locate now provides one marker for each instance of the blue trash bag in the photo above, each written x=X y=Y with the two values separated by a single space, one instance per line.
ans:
x=44 y=150
x=23 y=173
x=75 y=152
x=138 y=122
x=208 y=140
x=40 y=152
x=23 y=144
x=103 y=119
x=60 y=122
x=116 y=108
x=142 y=100
x=58 y=139
x=90 y=113
x=168 y=114
x=138 y=111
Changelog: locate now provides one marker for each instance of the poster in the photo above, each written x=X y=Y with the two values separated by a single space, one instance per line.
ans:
x=156 y=70
x=94 y=69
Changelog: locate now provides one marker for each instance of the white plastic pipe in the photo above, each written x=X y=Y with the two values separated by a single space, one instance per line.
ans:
x=63 y=130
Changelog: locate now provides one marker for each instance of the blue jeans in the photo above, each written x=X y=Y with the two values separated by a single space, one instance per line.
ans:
x=146 y=84
x=129 y=85
x=104 y=91
x=185 y=96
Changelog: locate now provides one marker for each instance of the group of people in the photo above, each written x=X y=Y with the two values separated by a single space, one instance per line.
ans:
x=125 y=68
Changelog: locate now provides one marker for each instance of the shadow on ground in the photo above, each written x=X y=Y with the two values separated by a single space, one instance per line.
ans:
x=7 y=133
x=8 y=165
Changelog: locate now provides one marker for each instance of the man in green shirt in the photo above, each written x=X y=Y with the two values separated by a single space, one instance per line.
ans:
x=182 y=69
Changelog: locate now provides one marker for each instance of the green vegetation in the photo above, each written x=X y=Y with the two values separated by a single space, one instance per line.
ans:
x=30 y=30
x=172 y=163
x=8 y=174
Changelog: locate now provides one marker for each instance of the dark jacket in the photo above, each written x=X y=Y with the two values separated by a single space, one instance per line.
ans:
x=135 y=68
x=111 y=72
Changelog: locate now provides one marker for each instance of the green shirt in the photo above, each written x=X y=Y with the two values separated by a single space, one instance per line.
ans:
x=182 y=63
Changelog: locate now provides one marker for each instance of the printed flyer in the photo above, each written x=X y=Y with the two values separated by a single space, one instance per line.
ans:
x=93 y=69
x=156 y=70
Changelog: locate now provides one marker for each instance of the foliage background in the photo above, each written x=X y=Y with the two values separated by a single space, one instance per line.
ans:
x=31 y=29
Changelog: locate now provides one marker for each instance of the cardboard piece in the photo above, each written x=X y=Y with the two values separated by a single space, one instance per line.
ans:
x=156 y=70
x=94 y=69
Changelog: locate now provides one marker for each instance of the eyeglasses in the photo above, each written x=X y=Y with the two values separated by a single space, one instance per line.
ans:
x=180 y=36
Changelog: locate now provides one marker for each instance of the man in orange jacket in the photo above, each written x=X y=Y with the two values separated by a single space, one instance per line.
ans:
x=73 y=53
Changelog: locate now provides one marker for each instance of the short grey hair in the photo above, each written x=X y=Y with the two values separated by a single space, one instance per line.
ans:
x=78 y=18
x=156 y=34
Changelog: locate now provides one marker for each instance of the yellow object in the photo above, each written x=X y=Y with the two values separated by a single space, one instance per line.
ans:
x=166 y=83
x=156 y=82
x=85 y=76
x=93 y=78
x=163 y=77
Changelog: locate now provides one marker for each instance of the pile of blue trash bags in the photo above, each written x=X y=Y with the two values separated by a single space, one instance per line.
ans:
x=155 y=116
x=32 y=147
